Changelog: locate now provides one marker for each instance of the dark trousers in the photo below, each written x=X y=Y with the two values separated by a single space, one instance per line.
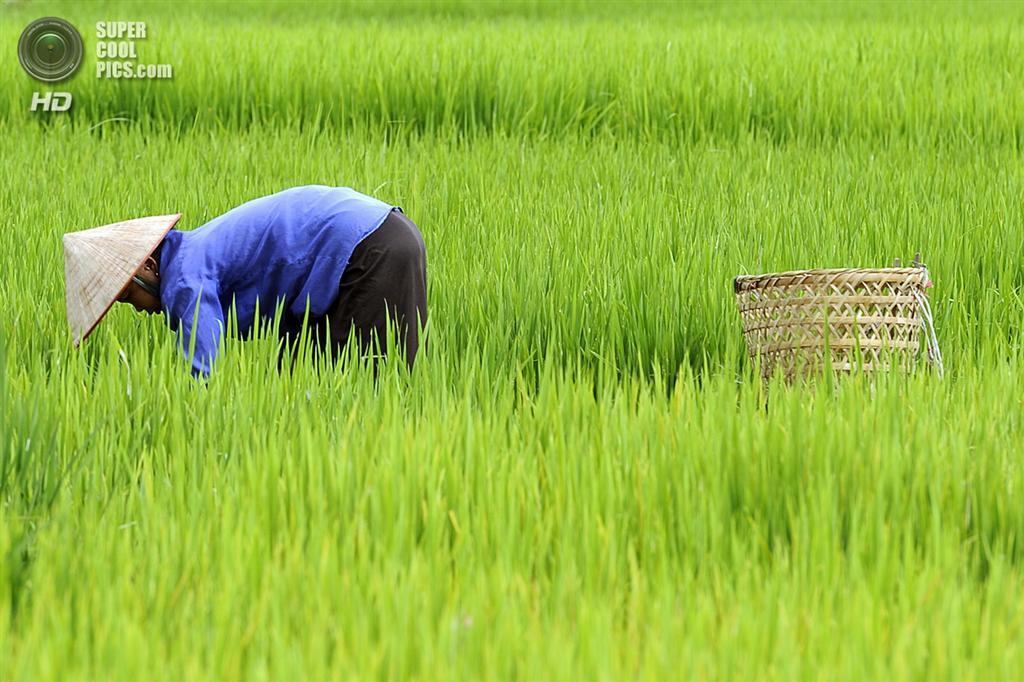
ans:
x=384 y=282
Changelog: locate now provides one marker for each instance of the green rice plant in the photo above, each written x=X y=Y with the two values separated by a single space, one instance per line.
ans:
x=583 y=476
x=922 y=74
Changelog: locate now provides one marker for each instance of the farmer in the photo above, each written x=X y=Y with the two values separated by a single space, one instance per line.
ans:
x=357 y=262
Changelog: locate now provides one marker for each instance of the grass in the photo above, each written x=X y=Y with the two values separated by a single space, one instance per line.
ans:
x=583 y=477
x=925 y=73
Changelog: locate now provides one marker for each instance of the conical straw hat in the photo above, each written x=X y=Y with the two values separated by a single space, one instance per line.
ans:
x=99 y=263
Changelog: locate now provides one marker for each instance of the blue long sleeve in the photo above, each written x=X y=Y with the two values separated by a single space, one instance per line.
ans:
x=291 y=246
x=199 y=301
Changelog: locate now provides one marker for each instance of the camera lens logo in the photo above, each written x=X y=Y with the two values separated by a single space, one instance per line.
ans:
x=50 y=49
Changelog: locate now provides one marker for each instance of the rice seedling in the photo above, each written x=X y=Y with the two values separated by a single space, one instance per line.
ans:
x=583 y=477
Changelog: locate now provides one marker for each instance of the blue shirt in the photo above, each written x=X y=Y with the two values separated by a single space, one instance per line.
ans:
x=291 y=246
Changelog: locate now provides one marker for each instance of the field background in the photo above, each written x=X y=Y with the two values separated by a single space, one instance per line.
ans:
x=580 y=479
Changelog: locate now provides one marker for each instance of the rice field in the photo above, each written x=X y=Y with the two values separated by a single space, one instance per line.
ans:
x=583 y=477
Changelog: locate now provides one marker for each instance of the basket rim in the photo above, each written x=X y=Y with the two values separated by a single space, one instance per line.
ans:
x=741 y=282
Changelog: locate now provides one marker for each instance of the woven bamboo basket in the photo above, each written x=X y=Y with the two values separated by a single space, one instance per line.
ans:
x=801 y=322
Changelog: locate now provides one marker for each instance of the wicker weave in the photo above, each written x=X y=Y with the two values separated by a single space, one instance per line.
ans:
x=871 y=319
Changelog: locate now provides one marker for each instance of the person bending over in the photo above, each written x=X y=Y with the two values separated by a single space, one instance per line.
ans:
x=356 y=261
